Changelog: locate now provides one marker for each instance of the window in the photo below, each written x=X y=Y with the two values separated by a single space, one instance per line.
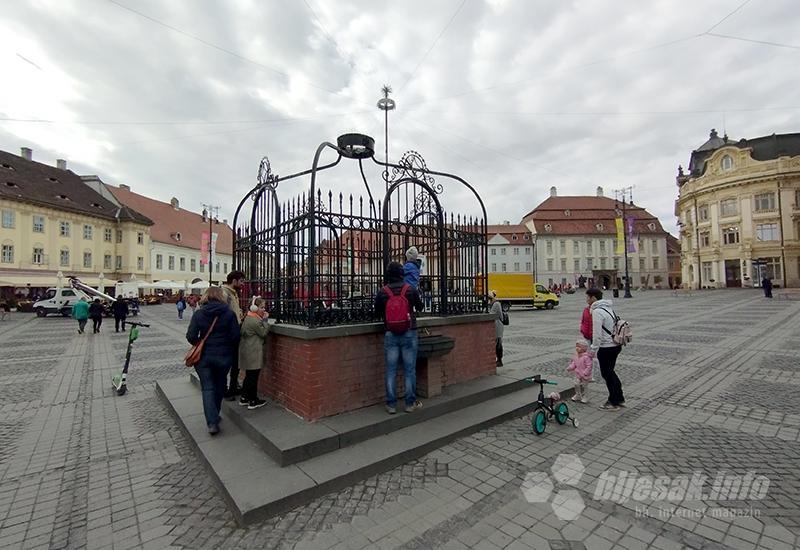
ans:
x=688 y=243
x=702 y=213
x=217 y=267
x=616 y=262
x=767 y=232
x=87 y=259
x=8 y=254
x=588 y=248
x=513 y=237
x=527 y=266
x=107 y=261
x=192 y=265
x=118 y=263
x=516 y=266
x=502 y=252
x=706 y=272
x=549 y=246
x=526 y=236
x=527 y=250
x=139 y=238
x=38 y=224
x=655 y=262
x=107 y=235
x=614 y=245
x=38 y=255
x=602 y=263
x=494 y=252
x=549 y=265
x=576 y=249
x=63 y=229
x=726 y=163
x=563 y=265
x=503 y=267
x=140 y=263
x=602 y=248
x=159 y=261
x=765 y=201
x=119 y=236
x=202 y=268
x=654 y=246
x=728 y=207
x=182 y=263
x=171 y=263
x=225 y=267
x=577 y=266
x=705 y=239
x=730 y=235
x=516 y=253
x=64 y=258
x=770 y=267
x=797 y=199
x=562 y=247
x=589 y=263
x=8 y=219
x=494 y=268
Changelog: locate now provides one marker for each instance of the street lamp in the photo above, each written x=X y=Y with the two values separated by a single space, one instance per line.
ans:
x=386 y=104
x=622 y=193
x=212 y=212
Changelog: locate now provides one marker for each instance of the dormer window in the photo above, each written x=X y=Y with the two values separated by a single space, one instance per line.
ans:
x=54 y=180
x=726 y=163
x=7 y=166
x=63 y=197
x=599 y=226
x=176 y=236
x=97 y=205
x=651 y=226
x=567 y=213
x=513 y=237
x=548 y=227
x=12 y=185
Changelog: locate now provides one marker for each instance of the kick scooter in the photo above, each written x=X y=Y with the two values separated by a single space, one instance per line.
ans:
x=119 y=380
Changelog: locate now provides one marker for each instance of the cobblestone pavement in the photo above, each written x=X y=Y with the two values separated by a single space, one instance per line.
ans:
x=713 y=389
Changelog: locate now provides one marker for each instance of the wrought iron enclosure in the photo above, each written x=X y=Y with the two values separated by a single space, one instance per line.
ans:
x=319 y=258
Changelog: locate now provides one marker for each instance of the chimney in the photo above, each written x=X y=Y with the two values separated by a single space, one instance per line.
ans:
x=174 y=202
x=225 y=222
x=553 y=191
x=61 y=164
x=125 y=187
x=26 y=153
x=506 y=222
x=599 y=191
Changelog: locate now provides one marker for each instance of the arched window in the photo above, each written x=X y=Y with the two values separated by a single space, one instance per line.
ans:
x=726 y=163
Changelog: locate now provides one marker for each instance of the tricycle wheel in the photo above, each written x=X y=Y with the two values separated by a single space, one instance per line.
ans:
x=562 y=413
x=539 y=422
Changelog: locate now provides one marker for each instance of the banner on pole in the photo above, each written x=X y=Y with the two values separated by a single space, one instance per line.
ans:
x=214 y=243
x=620 y=237
x=631 y=241
x=204 y=248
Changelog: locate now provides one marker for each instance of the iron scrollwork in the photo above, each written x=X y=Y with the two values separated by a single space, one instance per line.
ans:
x=412 y=165
x=265 y=176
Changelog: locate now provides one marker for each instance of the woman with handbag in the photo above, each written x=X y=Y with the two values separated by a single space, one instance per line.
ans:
x=214 y=328
x=496 y=309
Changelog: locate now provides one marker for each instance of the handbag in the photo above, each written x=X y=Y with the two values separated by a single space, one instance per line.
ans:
x=194 y=354
x=504 y=318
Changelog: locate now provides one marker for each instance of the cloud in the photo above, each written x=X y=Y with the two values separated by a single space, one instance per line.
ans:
x=514 y=96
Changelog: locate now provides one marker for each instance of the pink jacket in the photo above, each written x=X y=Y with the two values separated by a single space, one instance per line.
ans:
x=581 y=366
x=586 y=324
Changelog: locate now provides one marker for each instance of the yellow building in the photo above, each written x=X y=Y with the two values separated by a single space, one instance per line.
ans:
x=52 y=222
x=738 y=209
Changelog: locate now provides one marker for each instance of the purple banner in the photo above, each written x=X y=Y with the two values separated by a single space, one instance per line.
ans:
x=631 y=242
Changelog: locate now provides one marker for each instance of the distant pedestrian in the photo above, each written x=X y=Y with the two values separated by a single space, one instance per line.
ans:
x=96 y=313
x=251 y=352
x=120 y=309
x=581 y=368
x=496 y=310
x=80 y=312
x=605 y=349
x=180 y=305
x=218 y=350
x=396 y=303
x=192 y=302
x=766 y=284
x=231 y=294
x=411 y=269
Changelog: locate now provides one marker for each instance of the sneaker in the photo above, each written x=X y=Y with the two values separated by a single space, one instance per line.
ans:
x=213 y=429
x=256 y=404
x=622 y=405
x=414 y=407
x=232 y=392
x=584 y=400
x=608 y=407
x=499 y=363
x=244 y=401
x=577 y=399
x=391 y=410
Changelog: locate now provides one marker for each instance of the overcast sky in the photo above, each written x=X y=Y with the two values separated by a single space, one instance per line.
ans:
x=183 y=98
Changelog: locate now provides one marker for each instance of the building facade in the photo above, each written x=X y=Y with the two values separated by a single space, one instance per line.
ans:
x=510 y=248
x=52 y=222
x=575 y=237
x=739 y=212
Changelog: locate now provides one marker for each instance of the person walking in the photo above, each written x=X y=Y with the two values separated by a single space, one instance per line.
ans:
x=766 y=284
x=80 y=312
x=604 y=348
x=180 y=305
x=96 y=313
x=231 y=293
x=496 y=309
x=120 y=310
x=251 y=352
x=216 y=319
x=396 y=303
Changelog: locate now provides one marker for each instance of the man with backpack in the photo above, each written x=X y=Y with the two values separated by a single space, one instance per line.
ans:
x=604 y=347
x=395 y=304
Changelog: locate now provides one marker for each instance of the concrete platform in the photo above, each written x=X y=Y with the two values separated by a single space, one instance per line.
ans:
x=268 y=461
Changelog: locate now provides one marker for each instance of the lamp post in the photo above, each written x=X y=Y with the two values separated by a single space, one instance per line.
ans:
x=386 y=104
x=622 y=193
x=212 y=212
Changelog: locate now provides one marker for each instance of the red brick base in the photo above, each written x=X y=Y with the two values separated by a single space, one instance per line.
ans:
x=321 y=377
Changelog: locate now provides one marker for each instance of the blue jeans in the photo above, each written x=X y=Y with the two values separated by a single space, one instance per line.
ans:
x=396 y=346
x=213 y=371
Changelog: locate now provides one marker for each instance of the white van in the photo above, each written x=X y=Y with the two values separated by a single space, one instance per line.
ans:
x=59 y=300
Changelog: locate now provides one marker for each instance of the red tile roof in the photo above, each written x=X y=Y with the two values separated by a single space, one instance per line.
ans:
x=581 y=216
x=507 y=231
x=169 y=222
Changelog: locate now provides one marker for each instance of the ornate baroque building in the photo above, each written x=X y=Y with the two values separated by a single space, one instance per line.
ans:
x=739 y=212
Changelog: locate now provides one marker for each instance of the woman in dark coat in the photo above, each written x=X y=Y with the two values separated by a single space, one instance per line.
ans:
x=218 y=350
x=96 y=315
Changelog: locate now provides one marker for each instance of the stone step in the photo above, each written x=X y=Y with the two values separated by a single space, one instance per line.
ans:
x=256 y=486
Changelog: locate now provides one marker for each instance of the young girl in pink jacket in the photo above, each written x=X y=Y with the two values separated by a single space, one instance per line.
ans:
x=581 y=367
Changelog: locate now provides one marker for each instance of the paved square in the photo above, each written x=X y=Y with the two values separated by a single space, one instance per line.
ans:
x=714 y=390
